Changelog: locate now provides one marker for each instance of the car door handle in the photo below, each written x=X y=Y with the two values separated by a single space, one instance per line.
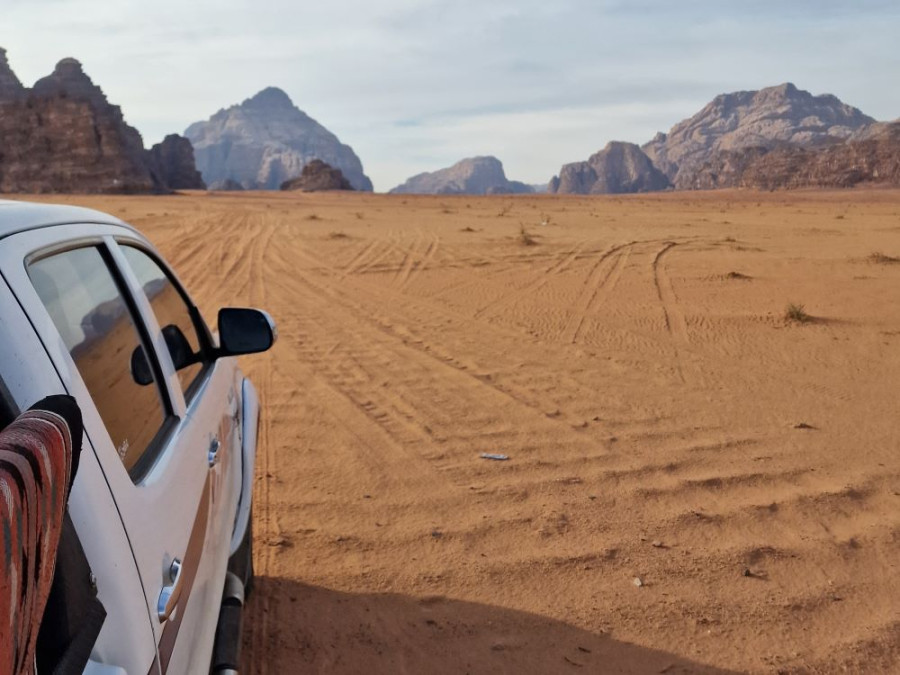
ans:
x=213 y=455
x=171 y=592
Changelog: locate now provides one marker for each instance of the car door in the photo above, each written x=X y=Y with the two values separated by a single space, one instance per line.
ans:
x=211 y=427
x=96 y=323
x=27 y=375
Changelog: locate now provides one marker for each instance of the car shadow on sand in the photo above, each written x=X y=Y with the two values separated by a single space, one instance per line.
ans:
x=291 y=627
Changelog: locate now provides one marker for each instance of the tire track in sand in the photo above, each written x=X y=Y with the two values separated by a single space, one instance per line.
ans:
x=599 y=283
x=360 y=257
x=675 y=323
x=562 y=262
x=419 y=265
x=406 y=267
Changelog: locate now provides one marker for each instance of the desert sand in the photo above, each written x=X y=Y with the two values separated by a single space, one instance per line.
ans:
x=694 y=483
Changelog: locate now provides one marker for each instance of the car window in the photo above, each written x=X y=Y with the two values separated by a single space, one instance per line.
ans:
x=172 y=314
x=92 y=317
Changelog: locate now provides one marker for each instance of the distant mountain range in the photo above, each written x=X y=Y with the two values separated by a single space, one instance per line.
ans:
x=63 y=135
x=265 y=141
x=472 y=176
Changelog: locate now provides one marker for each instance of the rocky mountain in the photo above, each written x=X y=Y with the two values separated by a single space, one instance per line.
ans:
x=472 y=176
x=172 y=164
x=869 y=157
x=768 y=118
x=618 y=168
x=63 y=135
x=317 y=176
x=265 y=141
x=11 y=88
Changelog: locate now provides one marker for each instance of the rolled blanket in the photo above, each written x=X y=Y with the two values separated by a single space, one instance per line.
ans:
x=39 y=453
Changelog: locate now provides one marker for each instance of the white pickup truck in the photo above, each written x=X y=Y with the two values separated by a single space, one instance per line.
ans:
x=162 y=500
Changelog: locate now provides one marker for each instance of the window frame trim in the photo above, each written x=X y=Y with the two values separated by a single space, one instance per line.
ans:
x=204 y=337
x=170 y=417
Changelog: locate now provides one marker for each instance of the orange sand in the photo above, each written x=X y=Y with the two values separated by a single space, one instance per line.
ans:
x=648 y=400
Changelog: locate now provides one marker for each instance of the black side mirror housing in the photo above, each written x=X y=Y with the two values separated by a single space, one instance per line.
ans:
x=140 y=367
x=179 y=350
x=245 y=331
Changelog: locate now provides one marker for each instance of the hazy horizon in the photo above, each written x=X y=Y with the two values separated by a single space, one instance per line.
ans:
x=415 y=87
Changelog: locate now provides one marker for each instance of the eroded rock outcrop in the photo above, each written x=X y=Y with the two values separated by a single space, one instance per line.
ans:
x=64 y=136
x=872 y=157
x=11 y=88
x=472 y=176
x=618 y=168
x=265 y=141
x=769 y=118
x=172 y=164
x=317 y=176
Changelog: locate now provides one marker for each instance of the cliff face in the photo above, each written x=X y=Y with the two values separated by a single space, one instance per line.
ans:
x=875 y=158
x=172 y=164
x=10 y=87
x=472 y=176
x=618 y=168
x=317 y=176
x=768 y=118
x=63 y=135
x=265 y=141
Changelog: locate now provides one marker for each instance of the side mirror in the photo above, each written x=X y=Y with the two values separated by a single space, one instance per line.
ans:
x=179 y=350
x=245 y=331
x=140 y=367
x=179 y=347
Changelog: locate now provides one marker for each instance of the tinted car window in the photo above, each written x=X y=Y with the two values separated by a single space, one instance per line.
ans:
x=90 y=313
x=172 y=315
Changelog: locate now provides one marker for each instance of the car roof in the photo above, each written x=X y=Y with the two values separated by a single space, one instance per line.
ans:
x=16 y=216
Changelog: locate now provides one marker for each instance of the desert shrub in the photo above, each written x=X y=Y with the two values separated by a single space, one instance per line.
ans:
x=880 y=258
x=525 y=237
x=797 y=313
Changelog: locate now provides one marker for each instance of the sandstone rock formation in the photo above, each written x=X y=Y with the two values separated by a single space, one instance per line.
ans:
x=64 y=136
x=265 y=141
x=11 y=88
x=472 y=176
x=227 y=185
x=618 y=168
x=768 y=118
x=317 y=176
x=172 y=164
x=870 y=157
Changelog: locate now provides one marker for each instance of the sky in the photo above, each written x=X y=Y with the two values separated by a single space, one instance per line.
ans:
x=416 y=85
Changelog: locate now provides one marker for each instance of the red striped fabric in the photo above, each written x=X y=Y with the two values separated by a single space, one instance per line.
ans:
x=35 y=470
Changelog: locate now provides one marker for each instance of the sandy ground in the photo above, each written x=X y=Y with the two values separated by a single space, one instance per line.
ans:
x=663 y=421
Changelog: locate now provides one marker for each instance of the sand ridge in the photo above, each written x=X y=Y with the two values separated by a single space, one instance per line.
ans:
x=664 y=422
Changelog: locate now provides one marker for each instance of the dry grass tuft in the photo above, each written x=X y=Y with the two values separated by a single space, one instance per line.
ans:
x=738 y=275
x=879 y=258
x=796 y=313
x=525 y=237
